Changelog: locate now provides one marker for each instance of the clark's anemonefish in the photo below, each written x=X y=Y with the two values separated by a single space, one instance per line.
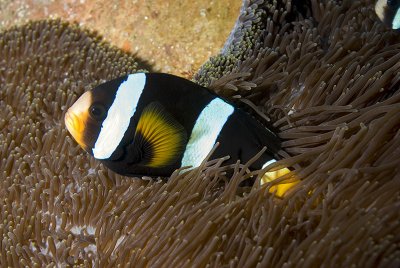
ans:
x=389 y=12
x=152 y=124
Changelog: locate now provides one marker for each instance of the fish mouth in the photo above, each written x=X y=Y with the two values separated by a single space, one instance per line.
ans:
x=69 y=120
x=75 y=127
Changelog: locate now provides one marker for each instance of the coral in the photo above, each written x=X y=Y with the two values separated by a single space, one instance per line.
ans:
x=327 y=75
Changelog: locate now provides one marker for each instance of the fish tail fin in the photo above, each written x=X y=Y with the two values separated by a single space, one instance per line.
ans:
x=279 y=188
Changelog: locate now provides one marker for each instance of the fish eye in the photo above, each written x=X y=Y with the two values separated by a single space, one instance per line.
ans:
x=391 y=2
x=97 y=112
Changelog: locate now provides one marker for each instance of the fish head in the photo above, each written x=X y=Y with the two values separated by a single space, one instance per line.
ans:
x=388 y=12
x=84 y=119
x=99 y=118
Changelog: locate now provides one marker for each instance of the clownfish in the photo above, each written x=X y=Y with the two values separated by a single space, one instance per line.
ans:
x=388 y=12
x=150 y=124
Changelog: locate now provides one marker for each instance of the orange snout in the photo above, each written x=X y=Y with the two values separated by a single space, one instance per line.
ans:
x=77 y=116
x=75 y=126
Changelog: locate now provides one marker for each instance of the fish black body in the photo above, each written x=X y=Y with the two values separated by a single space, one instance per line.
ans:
x=152 y=124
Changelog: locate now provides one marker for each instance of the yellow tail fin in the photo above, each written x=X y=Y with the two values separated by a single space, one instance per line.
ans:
x=279 y=189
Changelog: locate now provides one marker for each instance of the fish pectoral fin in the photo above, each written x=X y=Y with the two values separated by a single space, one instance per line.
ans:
x=159 y=139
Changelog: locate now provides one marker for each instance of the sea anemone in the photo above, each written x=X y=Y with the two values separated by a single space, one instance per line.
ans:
x=326 y=75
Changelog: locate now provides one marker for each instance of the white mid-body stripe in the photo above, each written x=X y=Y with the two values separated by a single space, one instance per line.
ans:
x=396 y=20
x=205 y=131
x=119 y=115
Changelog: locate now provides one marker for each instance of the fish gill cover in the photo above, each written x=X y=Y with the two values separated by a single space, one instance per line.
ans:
x=327 y=75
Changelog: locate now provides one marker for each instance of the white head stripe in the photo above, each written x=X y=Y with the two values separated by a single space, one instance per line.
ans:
x=396 y=20
x=205 y=131
x=119 y=115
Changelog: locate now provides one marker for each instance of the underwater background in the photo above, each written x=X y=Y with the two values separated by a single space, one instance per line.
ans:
x=173 y=36
x=325 y=72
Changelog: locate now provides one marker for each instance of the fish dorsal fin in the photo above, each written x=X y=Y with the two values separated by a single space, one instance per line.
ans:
x=159 y=138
